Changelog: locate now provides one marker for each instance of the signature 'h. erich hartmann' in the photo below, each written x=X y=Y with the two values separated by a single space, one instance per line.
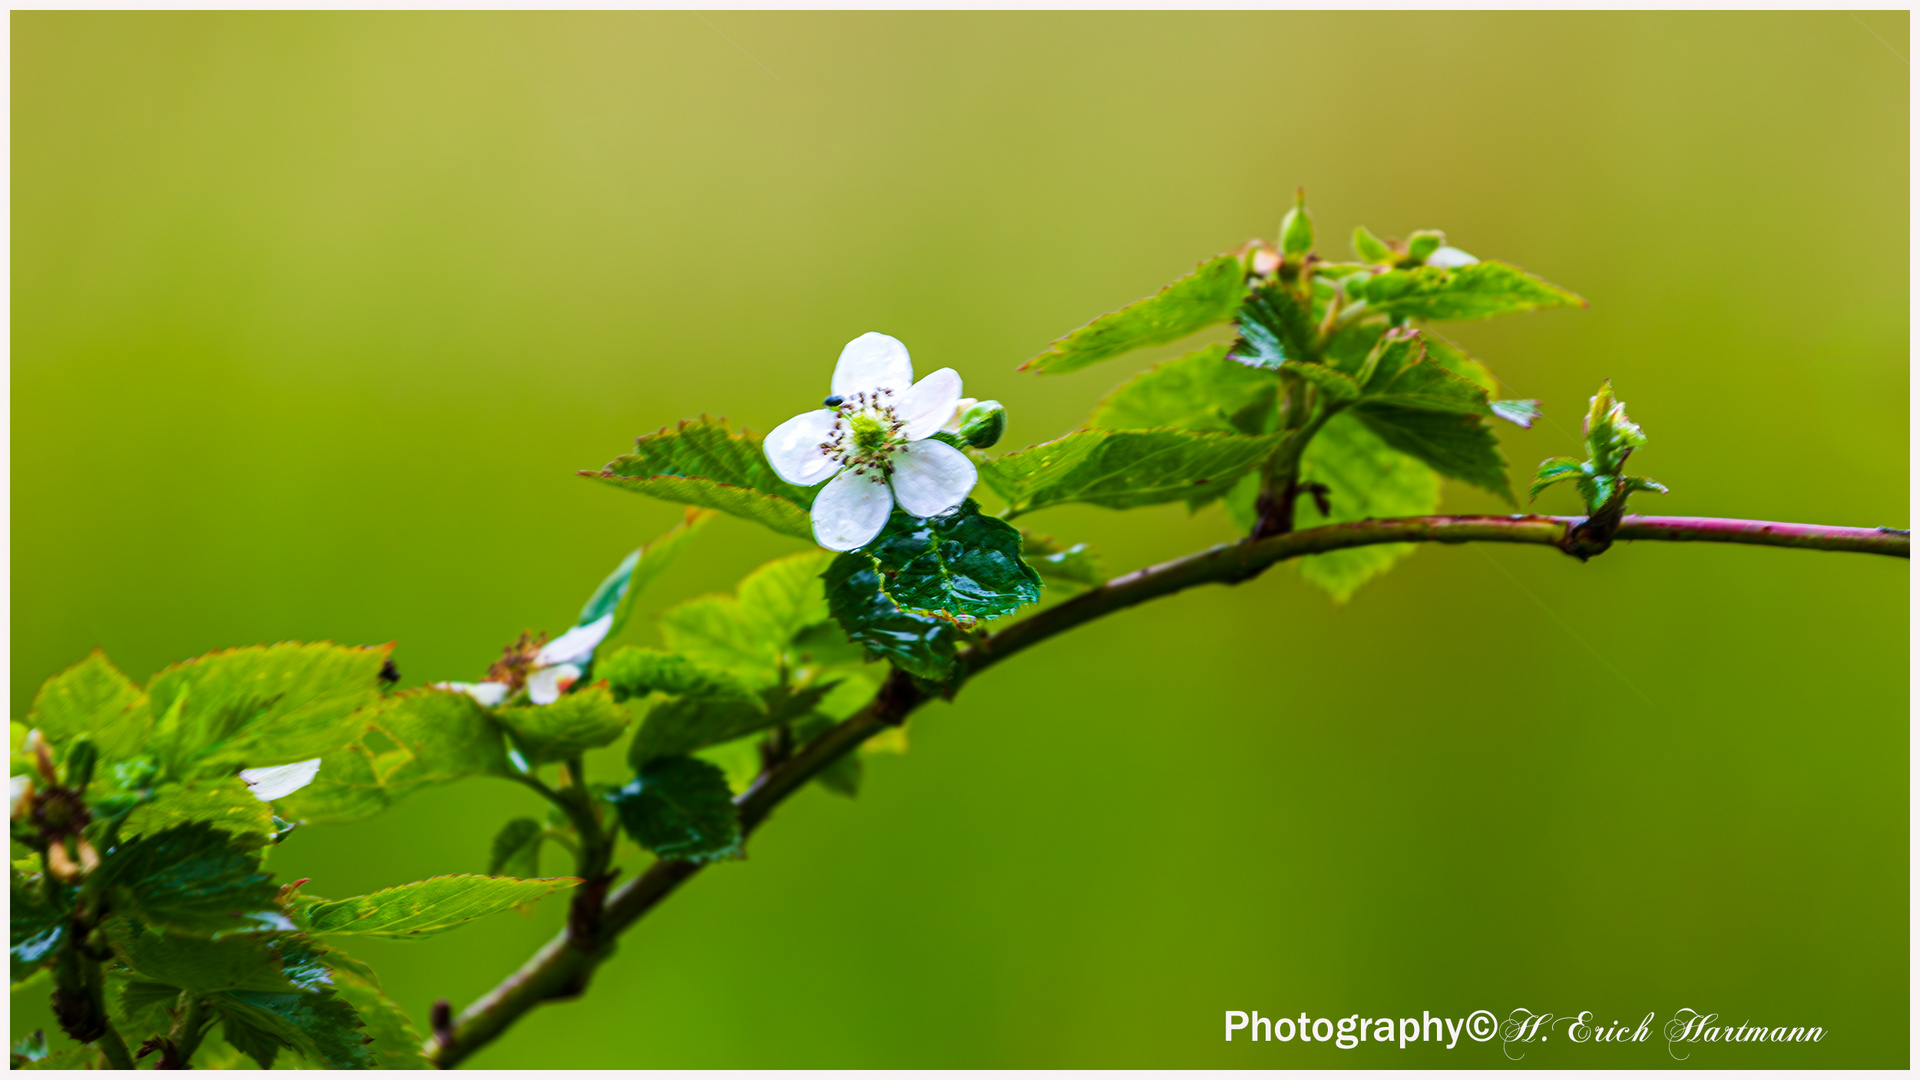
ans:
x=875 y=440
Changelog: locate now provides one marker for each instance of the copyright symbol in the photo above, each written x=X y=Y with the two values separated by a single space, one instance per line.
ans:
x=1482 y=1026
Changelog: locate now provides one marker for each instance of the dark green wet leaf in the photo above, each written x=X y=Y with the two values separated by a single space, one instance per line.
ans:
x=272 y=963
x=320 y=1027
x=1275 y=327
x=192 y=878
x=918 y=643
x=680 y=808
x=963 y=564
x=1453 y=444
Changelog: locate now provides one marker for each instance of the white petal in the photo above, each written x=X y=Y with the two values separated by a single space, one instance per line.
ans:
x=19 y=790
x=1450 y=257
x=576 y=645
x=793 y=448
x=545 y=686
x=872 y=362
x=486 y=693
x=959 y=409
x=932 y=478
x=851 y=510
x=272 y=782
x=929 y=403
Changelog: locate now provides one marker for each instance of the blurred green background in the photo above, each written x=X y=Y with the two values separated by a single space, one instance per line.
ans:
x=314 y=315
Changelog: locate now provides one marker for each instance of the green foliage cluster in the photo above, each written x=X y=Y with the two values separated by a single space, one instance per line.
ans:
x=144 y=817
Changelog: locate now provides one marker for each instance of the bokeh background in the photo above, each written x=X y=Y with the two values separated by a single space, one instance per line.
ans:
x=314 y=316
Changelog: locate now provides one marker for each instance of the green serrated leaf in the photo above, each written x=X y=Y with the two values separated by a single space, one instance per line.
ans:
x=640 y=568
x=516 y=849
x=1479 y=291
x=827 y=645
x=92 y=698
x=1454 y=359
x=1462 y=447
x=225 y=803
x=36 y=928
x=1425 y=385
x=1123 y=469
x=395 y=1045
x=1204 y=298
x=1201 y=391
x=350 y=787
x=1365 y=478
x=785 y=596
x=1552 y=471
x=578 y=722
x=262 y=705
x=1275 y=327
x=962 y=564
x=320 y=1027
x=1070 y=569
x=680 y=808
x=715 y=631
x=1338 y=386
x=702 y=463
x=636 y=672
x=683 y=725
x=191 y=878
x=276 y=964
x=918 y=643
x=425 y=907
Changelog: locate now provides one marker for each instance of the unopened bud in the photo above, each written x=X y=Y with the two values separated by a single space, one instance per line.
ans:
x=982 y=424
x=1296 y=229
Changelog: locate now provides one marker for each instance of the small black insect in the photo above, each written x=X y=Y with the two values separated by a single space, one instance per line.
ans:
x=833 y=401
x=389 y=674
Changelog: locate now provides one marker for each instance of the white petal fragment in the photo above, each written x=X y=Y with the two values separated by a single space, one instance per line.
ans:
x=932 y=478
x=851 y=510
x=929 y=404
x=19 y=794
x=272 y=782
x=1450 y=257
x=576 y=645
x=545 y=686
x=486 y=693
x=793 y=448
x=872 y=362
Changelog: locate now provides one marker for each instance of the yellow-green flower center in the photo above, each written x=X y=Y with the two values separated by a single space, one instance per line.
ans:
x=869 y=434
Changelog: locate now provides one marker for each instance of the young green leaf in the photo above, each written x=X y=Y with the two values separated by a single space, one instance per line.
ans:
x=425 y=907
x=94 y=699
x=616 y=594
x=1364 y=478
x=320 y=1027
x=191 y=878
x=1611 y=436
x=1338 y=386
x=1423 y=243
x=395 y=1045
x=572 y=725
x=636 y=672
x=1454 y=359
x=1204 y=298
x=680 y=808
x=963 y=564
x=1201 y=391
x=717 y=632
x=262 y=705
x=1069 y=569
x=516 y=849
x=683 y=725
x=1478 y=291
x=1123 y=469
x=785 y=596
x=702 y=463
x=1371 y=249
